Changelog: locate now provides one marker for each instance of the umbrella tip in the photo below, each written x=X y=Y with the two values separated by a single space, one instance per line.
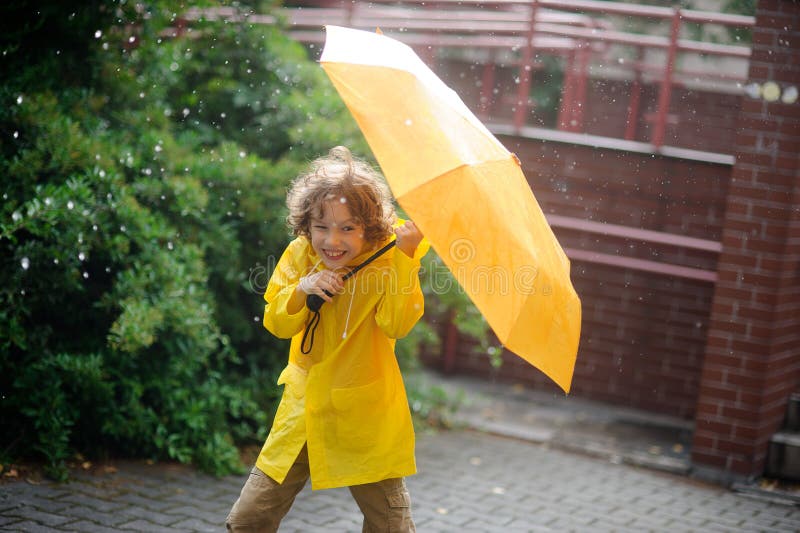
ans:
x=519 y=163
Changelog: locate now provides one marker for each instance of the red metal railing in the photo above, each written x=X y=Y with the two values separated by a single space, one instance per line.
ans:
x=575 y=30
x=673 y=45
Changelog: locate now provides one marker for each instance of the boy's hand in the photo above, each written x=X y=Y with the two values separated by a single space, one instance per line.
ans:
x=408 y=237
x=325 y=283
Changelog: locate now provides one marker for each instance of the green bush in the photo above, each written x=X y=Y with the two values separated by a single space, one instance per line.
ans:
x=136 y=237
x=109 y=334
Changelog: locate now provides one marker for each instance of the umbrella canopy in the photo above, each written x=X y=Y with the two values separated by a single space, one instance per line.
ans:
x=465 y=192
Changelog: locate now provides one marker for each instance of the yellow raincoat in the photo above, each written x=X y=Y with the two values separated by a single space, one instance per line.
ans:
x=346 y=398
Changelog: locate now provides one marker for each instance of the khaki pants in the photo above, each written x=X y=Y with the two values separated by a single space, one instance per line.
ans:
x=264 y=502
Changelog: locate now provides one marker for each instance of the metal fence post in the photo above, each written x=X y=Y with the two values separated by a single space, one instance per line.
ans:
x=526 y=72
x=665 y=92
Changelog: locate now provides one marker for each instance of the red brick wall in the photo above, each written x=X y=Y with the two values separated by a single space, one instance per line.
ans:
x=643 y=334
x=641 y=190
x=752 y=360
x=642 y=342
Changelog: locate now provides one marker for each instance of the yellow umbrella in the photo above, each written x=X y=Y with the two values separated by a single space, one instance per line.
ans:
x=465 y=192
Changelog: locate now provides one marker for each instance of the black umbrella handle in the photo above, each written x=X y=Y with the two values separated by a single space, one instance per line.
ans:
x=315 y=301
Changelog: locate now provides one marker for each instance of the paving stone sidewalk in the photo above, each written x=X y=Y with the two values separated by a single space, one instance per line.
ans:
x=468 y=481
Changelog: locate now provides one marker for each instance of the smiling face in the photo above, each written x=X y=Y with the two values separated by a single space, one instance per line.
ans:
x=337 y=236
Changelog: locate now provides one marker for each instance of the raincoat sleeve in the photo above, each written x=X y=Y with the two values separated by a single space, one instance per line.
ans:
x=402 y=305
x=281 y=286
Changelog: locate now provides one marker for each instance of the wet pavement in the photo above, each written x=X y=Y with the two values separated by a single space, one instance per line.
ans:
x=516 y=461
x=613 y=433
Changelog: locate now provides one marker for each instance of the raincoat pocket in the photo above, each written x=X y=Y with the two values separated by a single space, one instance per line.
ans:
x=294 y=378
x=357 y=409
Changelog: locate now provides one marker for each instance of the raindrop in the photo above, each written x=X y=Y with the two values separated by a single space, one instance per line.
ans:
x=70 y=204
x=26 y=263
x=122 y=228
x=16 y=216
x=85 y=275
x=157 y=148
x=19 y=99
x=48 y=201
x=753 y=90
x=81 y=256
x=409 y=122
x=170 y=245
x=16 y=134
x=255 y=319
x=770 y=91
x=342 y=200
x=185 y=111
x=98 y=34
x=789 y=95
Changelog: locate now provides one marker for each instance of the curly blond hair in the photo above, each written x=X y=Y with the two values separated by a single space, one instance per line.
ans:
x=352 y=181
